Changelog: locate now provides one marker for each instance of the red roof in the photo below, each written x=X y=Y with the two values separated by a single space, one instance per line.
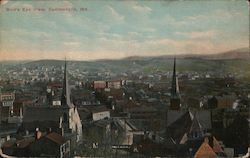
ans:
x=205 y=151
x=57 y=138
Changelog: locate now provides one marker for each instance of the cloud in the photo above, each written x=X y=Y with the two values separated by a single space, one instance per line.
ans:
x=109 y=35
x=115 y=14
x=215 y=15
x=197 y=35
x=142 y=8
x=148 y=30
x=133 y=33
x=71 y=44
x=114 y=31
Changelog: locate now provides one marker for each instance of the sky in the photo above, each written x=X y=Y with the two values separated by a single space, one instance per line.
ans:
x=114 y=29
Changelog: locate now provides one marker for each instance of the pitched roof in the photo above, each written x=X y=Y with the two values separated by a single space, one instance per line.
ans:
x=179 y=127
x=42 y=125
x=205 y=151
x=95 y=109
x=173 y=115
x=18 y=143
x=180 y=123
x=203 y=116
x=44 y=113
x=57 y=138
x=196 y=126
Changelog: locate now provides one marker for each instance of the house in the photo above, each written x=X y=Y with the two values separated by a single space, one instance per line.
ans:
x=141 y=112
x=6 y=105
x=82 y=97
x=7 y=99
x=97 y=133
x=9 y=112
x=224 y=101
x=42 y=145
x=210 y=148
x=99 y=84
x=95 y=112
x=116 y=84
x=236 y=134
x=50 y=145
x=19 y=148
x=128 y=129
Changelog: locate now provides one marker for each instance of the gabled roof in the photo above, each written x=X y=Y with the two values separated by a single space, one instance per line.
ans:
x=23 y=143
x=196 y=126
x=95 y=109
x=57 y=138
x=44 y=113
x=205 y=151
x=173 y=115
x=203 y=116
x=179 y=127
x=180 y=123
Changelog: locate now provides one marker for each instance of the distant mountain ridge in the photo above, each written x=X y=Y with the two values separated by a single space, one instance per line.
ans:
x=242 y=53
x=228 y=62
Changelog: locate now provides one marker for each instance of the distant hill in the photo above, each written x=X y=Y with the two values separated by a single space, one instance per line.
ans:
x=242 y=53
x=232 y=61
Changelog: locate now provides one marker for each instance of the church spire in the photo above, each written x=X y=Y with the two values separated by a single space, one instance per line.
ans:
x=65 y=99
x=175 y=96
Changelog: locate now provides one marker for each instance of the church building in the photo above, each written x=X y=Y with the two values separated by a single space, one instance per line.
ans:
x=63 y=119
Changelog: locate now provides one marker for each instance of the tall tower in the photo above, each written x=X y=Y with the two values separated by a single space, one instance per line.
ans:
x=65 y=98
x=175 y=96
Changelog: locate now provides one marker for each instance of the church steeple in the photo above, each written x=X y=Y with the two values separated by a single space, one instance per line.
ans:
x=175 y=96
x=65 y=99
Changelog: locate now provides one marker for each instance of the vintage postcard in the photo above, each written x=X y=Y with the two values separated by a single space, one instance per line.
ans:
x=124 y=78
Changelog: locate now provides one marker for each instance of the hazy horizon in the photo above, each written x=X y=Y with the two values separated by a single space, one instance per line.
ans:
x=99 y=30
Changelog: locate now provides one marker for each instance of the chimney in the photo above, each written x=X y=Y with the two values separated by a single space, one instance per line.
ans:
x=38 y=134
x=49 y=130
x=206 y=140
